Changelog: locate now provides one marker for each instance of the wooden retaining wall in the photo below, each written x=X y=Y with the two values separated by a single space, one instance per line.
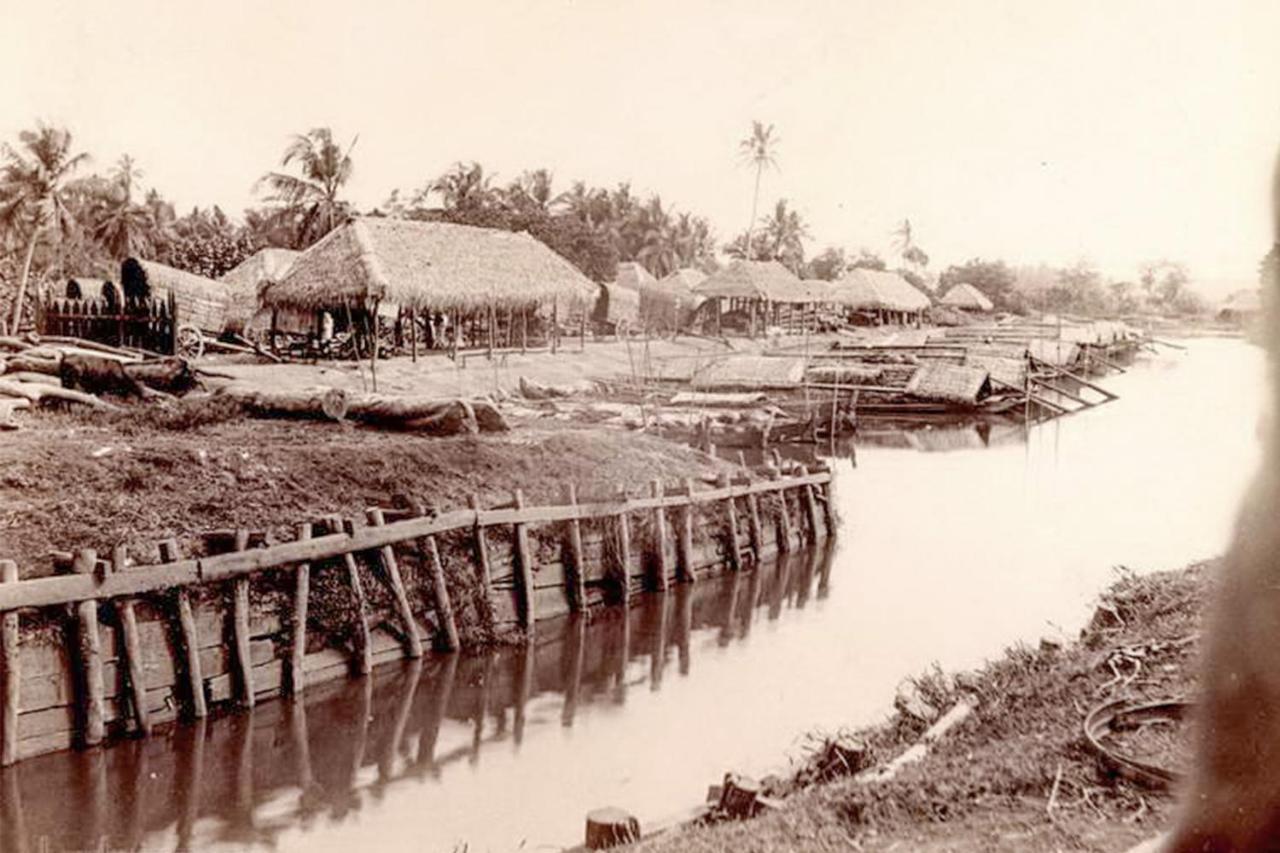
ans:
x=110 y=648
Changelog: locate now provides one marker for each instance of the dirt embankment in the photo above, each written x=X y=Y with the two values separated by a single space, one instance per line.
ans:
x=1017 y=774
x=70 y=481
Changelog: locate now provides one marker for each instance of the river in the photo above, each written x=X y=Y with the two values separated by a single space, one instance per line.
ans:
x=955 y=542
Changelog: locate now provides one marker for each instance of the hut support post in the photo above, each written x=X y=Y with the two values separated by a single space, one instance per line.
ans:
x=12 y=673
x=413 y=334
x=373 y=348
x=524 y=330
x=89 y=656
x=659 y=539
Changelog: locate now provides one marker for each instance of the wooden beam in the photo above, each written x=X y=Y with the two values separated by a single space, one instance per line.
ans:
x=10 y=652
x=360 y=637
x=624 y=551
x=524 y=567
x=483 y=567
x=735 y=548
x=684 y=544
x=89 y=657
x=132 y=648
x=659 y=539
x=440 y=588
x=190 y=641
x=243 y=660
x=391 y=577
x=301 y=601
x=577 y=580
x=811 y=508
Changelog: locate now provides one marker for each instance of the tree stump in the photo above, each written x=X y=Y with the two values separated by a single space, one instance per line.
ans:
x=738 y=796
x=610 y=827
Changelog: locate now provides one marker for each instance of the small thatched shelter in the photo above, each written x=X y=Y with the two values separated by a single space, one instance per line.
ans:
x=247 y=281
x=949 y=383
x=199 y=303
x=755 y=288
x=670 y=303
x=886 y=294
x=966 y=297
x=428 y=266
x=616 y=307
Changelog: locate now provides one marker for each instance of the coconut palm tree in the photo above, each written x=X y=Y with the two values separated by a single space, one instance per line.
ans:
x=759 y=149
x=463 y=189
x=785 y=232
x=32 y=182
x=312 y=197
x=122 y=226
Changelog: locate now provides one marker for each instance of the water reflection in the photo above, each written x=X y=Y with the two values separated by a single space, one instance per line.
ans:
x=250 y=778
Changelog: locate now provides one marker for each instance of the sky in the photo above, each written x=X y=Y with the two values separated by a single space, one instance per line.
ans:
x=1034 y=132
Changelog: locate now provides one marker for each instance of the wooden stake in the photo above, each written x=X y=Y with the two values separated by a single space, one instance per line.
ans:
x=482 y=559
x=810 y=507
x=524 y=566
x=391 y=575
x=735 y=549
x=684 y=544
x=828 y=509
x=190 y=641
x=240 y=627
x=363 y=651
x=301 y=600
x=89 y=653
x=577 y=582
x=9 y=652
x=624 y=548
x=132 y=649
x=753 y=525
x=444 y=604
x=784 y=517
x=660 y=539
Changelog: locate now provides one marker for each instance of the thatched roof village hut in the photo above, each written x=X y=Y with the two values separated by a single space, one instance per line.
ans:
x=616 y=307
x=752 y=289
x=966 y=297
x=250 y=277
x=886 y=295
x=670 y=303
x=200 y=303
x=634 y=276
x=949 y=383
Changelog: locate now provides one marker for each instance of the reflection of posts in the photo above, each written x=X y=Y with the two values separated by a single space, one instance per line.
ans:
x=781 y=581
x=190 y=772
x=13 y=830
x=90 y=823
x=524 y=689
x=624 y=654
x=824 y=571
x=409 y=678
x=730 y=610
x=138 y=773
x=437 y=708
x=308 y=801
x=753 y=601
x=658 y=661
x=244 y=772
x=684 y=628
x=576 y=651
x=482 y=709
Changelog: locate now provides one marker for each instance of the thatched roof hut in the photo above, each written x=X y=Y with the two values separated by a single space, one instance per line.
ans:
x=616 y=305
x=685 y=279
x=817 y=290
x=250 y=277
x=968 y=298
x=433 y=266
x=949 y=383
x=765 y=280
x=199 y=302
x=94 y=288
x=633 y=276
x=670 y=302
x=863 y=289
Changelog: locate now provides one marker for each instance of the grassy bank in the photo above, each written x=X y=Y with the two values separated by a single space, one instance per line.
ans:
x=1016 y=775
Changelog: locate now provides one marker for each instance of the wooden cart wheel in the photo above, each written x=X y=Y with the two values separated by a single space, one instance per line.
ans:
x=190 y=342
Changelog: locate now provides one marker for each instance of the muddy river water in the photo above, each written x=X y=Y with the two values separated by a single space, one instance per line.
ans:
x=955 y=542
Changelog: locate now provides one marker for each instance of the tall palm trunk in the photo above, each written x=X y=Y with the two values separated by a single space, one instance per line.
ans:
x=755 y=200
x=22 y=282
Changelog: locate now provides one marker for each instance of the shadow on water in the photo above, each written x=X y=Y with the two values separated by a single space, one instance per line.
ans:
x=244 y=779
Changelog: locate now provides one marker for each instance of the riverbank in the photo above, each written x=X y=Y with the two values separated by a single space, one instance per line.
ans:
x=1016 y=775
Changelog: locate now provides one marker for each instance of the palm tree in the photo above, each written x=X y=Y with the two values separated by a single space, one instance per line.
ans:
x=533 y=189
x=464 y=188
x=758 y=150
x=123 y=227
x=313 y=196
x=32 y=183
x=786 y=232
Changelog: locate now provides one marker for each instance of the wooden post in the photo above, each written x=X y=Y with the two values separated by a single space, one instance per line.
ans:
x=132 y=649
x=524 y=330
x=624 y=549
x=735 y=549
x=611 y=827
x=555 y=325
x=89 y=653
x=828 y=508
x=190 y=640
x=444 y=605
x=301 y=599
x=391 y=574
x=524 y=567
x=783 y=520
x=364 y=654
x=240 y=625
x=660 y=539
x=577 y=582
x=582 y=330
x=684 y=544
x=12 y=672
x=810 y=507
x=413 y=335
x=482 y=556
x=753 y=524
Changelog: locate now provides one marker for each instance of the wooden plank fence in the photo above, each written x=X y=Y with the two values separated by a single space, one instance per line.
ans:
x=146 y=324
x=108 y=648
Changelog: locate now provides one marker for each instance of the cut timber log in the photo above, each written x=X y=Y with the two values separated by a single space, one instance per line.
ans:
x=317 y=404
x=172 y=375
x=45 y=394
x=9 y=656
x=611 y=827
x=24 y=363
x=98 y=375
x=706 y=398
x=9 y=405
x=428 y=414
x=738 y=796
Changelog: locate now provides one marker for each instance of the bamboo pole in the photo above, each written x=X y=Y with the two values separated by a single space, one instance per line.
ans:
x=391 y=576
x=9 y=660
x=240 y=626
x=363 y=650
x=735 y=548
x=132 y=649
x=190 y=639
x=89 y=656
x=301 y=600
x=524 y=565
x=577 y=582
x=660 y=539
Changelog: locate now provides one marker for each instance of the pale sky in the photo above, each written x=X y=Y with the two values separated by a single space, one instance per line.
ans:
x=1029 y=131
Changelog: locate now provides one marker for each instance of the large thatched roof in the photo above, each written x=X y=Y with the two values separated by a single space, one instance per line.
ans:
x=199 y=302
x=967 y=296
x=949 y=383
x=753 y=280
x=250 y=277
x=685 y=279
x=427 y=265
x=876 y=289
x=633 y=276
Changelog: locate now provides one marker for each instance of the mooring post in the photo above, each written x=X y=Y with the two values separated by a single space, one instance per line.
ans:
x=753 y=522
x=12 y=672
x=132 y=647
x=810 y=506
x=482 y=557
x=440 y=588
x=828 y=508
x=577 y=581
x=624 y=547
x=301 y=599
x=659 y=538
x=89 y=653
x=391 y=575
x=735 y=548
x=684 y=544
x=240 y=628
x=783 y=521
x=524 y=568
x=363 y=650
x=190 y=639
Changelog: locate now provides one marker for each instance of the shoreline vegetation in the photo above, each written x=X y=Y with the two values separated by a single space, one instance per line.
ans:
x=1013 y=770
